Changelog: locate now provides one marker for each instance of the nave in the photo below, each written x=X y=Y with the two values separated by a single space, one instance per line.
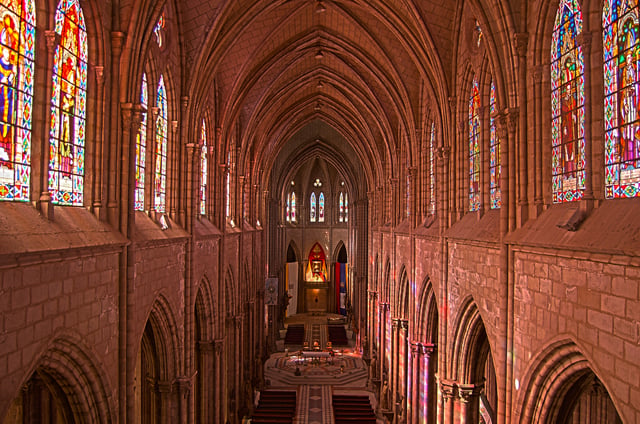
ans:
x=323 y=369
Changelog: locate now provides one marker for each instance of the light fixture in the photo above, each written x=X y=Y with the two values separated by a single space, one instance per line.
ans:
x=320 y=85
x=320 y=8
x=319 y=55
x=317 y=106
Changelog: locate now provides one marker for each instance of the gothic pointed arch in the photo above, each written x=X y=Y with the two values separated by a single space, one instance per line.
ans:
x=402 y=306
x=204 y=345
x=65 y=382
x=427 y=352
x=427 y=322
x=472 y=361
x=561 y=386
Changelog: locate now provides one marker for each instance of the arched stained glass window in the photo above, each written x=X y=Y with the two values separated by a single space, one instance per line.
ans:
x=160 y=184
x=204 y=170
x=312 y=208
x=158 y=30
x=346 y=207
x=288 y=208
x=474 y=147
x=432 y=170
x=293 y=206
x=68 y=106
x=227 y=191
x=17 y=41
x=622 y=97
x=321 y=207
x=494 y=163
x=567 y=104
x=141 y=147
x=341 y=208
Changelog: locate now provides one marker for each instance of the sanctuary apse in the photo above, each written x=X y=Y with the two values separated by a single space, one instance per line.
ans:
x=459 y=182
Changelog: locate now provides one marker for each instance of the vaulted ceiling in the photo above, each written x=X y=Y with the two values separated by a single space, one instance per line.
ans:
x=357 y=75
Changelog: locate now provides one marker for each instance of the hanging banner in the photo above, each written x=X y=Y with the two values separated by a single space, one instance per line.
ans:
x=292 y=287
x=341 y=288
x=271 y=292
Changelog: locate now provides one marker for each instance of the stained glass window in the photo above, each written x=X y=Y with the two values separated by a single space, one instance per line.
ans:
x=494 y=162
x=141 y=147
x=341 y=208
x=293 y=206
x=432 y=170
x=68 y=106
x=474 y=147
x=204 y=171
x=288 y=208
x=158 y=30
x=227 y=192
x=567 y=104
x=160 y=183
x=621 y=104
x=321 y=207
x=478 y=33
x=312 y=209
x=346 y=207
x=408 y=196
x=17 y=41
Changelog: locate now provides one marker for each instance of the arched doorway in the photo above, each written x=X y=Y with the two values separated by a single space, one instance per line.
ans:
x=41 y=400
x=561 y=387
x=316 y=280
x=292 y=280
x=475 y=369
x=340 y=279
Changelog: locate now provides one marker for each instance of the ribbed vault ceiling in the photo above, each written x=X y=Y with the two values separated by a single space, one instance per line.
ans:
x=364 y=69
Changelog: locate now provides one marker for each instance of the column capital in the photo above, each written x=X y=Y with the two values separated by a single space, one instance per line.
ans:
x=521 y=40
x=183 y=384
x=99 y=70
x=206 y=345
x=584 y=40
x=218 y=344
x=163 y=386
x=427 y=349
x=469 y=391
x=50 y=37
x=448 y=389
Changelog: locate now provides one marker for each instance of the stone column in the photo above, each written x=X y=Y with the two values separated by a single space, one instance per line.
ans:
x=164 y=395
x=98 y=153
x=219 y=381
x=173 y=186
x=183 y=386
x=113 y=159
x=45 y=206
x=384 y=310
x=521 y=41
x=206 y=381
x=448 y=391
x=413 y=400
x=537 y=140
x=393 y=371
x=584 y=41
x=469 y=395
x=405 y=368
x=428 y=391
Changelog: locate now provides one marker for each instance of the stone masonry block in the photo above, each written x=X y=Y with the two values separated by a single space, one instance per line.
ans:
x=625 y=287
x=599 y=320
x=626 y=329
x=613 y=304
